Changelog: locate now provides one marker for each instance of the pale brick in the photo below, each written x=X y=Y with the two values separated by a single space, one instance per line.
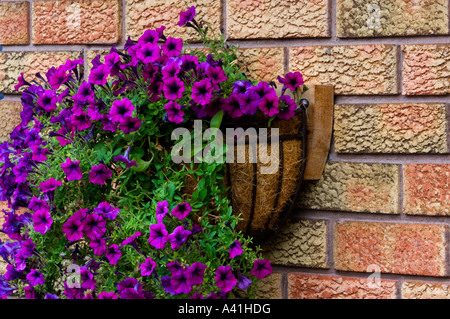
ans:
x=261 y=64
x=361 y=18
x=425 y=290
x=270 y=287
x=256 y=19
x=151 y=14
x=352 y=69
x=399 y=248
x=9 y=118
x=12 y=64
x=298 y=243
x=76 y=21
x=312 y=286
x=390 y=128
x=426 y=189
x=426 y=69
x=14 y=23
x=357 y=187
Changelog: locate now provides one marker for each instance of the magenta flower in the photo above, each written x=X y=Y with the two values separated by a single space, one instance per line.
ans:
x=80 y=120
x=269 y=105
x=107 y=295
x=195 y=273
x=112 y=62
x=39 y=153
x=73 y=228
x=202 y=92
x=263 y=89
x=131 y=239
x=149 y=36
x=49 y=185
x=289 y=111
x=106 y=210
x=108 y=123
x=42 y=221
x=261 y=268
x=99 y=75
x=21 y=82
x=148 y=53
x=57 y=77
x=171 y=69
x=37 y=204
x=124 y=159
x=72 y=170
x=235 y=249
x=174 y=112
x=87 y=278
x=174 y=267
x=35 y=278
x=292 y=80
x=186 y=16
x=243 y=281
x=178 y=237
x=47 y=100
x=249 y=102
x=158 y=236
x=84 y=93
x=130 y=124
x=162 y=208
x=181 y=210
x=173 y=88
x=98 y=245
x=99 y=174
x=233 y=106
x=216 y=74
x=121 y=109
x=94 y=226
x=113 y=254
x=179 y=283
x=172 y=47
x=225 y=279
x=147 y=267
x=241 y=87
x=27 y=248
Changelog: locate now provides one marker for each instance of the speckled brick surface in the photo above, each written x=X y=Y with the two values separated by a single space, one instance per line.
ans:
x=14 y=23
x=262 y=64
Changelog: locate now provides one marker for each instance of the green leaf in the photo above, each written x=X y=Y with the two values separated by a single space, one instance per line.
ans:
x=216 y=121
x=141 y=165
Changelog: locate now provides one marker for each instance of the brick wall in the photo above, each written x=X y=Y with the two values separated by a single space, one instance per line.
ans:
x=376 y=225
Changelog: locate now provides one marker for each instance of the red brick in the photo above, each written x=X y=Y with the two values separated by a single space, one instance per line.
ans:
x=14 y=23
x=426 y=189
x=399 y=248
x=311 y=286
x=76 y=21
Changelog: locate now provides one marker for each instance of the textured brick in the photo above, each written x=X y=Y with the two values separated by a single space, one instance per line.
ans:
x=390 y=128
x=262 y=64
x=426 y=189
x=357 y=187
x=76 y=21
x=361 y=18
x=425 y=290
x=14 y=25
x=9 y=118
x=311 y=286
x=151 y=14
x=256 y=19
x=14 y=63
x=426 y=69
x=299 y=243
x=270 y=287
x=352 y=69
x=413 y=249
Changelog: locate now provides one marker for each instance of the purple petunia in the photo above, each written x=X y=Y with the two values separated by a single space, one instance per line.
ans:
x=173 y=88
x=235 y=249
x=178 y=237
x=47 y=100
x=72 y=170
x=225 y=279
x=130 y=240
x=162 y=208
x=181 y=210
x=202 y=92
x=84 y=93
x=233 y=106
x=37 y=204
x=292 y=80
x=80 y=120
x=269 y=105
x=130 y=124
x=179 y=283
x=149 y=36
x=174 y=112
x=124 y=159
x=243 y=281
x=148 y=52
x=158 y=236
x=106 y=210
x=261 y=268
x=35 y=278
x=27 y=248
x=195 y=273
x=172 y=47
x=107 y=295
x=98 y=245
x=121 y=109
x=42 y=221
x=94 y=225
x=73 y=228
x=147 y=267
x=39 y=153
x=99 y=75
x=113 y=254
x=249 y=102
x=186 y=16
x=216 y=74
x=99 y=174
x=87 y=278
x=289 y=110
x=171 y=69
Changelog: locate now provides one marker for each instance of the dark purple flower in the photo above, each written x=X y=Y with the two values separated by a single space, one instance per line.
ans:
x=47 y=100
x=171 y=69
x=174 y=112
x=73 y=228
x=99 y=75
x=49 y=185
x=240 y=87
x=158 y=236
x=243 y=281
x=269 y=105
x=189 y=62
x=235 y=249
x=94 y=225
x=130 y=124
x=113 y=254
x=72 y=170
x=292 y=80
x=181 y=210
x=179 y=283
x=130 y=288
x=35 y=278
x=233 y=106
x=80 y=120
x=37 y=204
x=58 y=77
x=149 y=36
x=147 y=267
x=27 y=248
x=148 y=52
x=225 y=279
x=39 y=153
x=216 y=105
x=84 y=93
x=195 y=273
x=162 y=208
x=51 y=296
x=112 y=62
x=178 y=237
x=21 y=173
x=173 y=88
x=87 y=279
x=165 y=283
x=186 y=16
x=107 y=295
x=108 y=123
x=202 y=92
x=98 y=245
x=216 y=74
x=42 y=221
x=123 y=159
x=249 y=102
x=21 y=82
x=262 y=89
x=106 y=210
x=261 y=268
x=99 y=174
x=131 y=239
x=72 y=64
x=172 y=47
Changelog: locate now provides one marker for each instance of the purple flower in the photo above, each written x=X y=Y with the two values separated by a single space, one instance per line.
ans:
x=174 y=267
x=94 y=225
x=106 y=210
x=112 y=62
x=123 y=159
x=148 y=52
x=225 y=279
x=189 y=62
x=147 y=267
x=181 y=210
x=241 y=87
x=171 y=69
x=98 y=245
x=42 y=221
x=173 y=88
x=165 y=283
x=233 y=106
x=47 y=100
x=80 y=120
x=174 y=112
x=249 y=102
x=235 y=249
x=149 y=36
x=186 y=16
x=108 y=123
x=172 y=47
x=269 y=105
x=262 y=89
x=35 y=278
x=73 y=228
x=202 y=92
x=107 y=295
x=113 y=254
x=39 y=153
x=21 y=82
x=195 y=273
x=99 y=174
x=72 y=170
x=216 y=74
x=121 y=109
x=27 y=248
x=87 y=278
x=292 y=80
x=178 y=237
x=130 y=239
x=243 y=282
x=179 y=283
x=130 y=288
x=50 y=296
x=130 y=124
x=261 y=268
x=162 y=208
x=158 y=236
x=84 y=93
x=99 y=75
x=57 y=77
x=37 y=204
